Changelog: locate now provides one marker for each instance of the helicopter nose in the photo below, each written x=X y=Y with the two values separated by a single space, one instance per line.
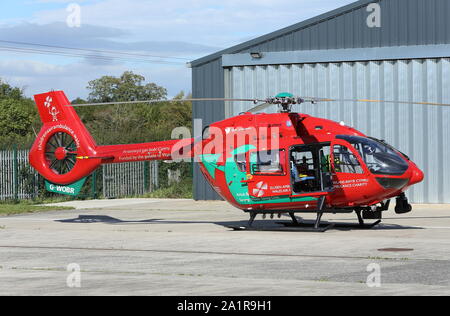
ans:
x=417 y=175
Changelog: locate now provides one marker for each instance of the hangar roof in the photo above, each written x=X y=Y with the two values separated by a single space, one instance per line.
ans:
x=408 y=22
x=259 y=40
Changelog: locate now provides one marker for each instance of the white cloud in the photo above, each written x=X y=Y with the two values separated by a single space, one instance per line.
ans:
x=197 y=21
x=98 y=37
x=39 y=77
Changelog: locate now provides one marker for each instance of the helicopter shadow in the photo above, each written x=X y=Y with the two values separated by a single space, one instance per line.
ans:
x=266 y=225
x=350 y=226
x=103 y=219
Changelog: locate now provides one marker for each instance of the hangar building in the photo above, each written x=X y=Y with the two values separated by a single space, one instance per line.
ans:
x=402 y=54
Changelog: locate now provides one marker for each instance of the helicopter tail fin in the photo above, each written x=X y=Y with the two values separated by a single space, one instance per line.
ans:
x=62 y=140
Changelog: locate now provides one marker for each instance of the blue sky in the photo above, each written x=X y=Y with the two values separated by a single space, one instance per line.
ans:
x=186 y=29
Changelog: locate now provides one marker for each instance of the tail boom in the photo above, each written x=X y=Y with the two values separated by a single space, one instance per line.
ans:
x=164 y=150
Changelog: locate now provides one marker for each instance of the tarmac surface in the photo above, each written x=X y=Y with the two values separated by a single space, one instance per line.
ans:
x=182 y=247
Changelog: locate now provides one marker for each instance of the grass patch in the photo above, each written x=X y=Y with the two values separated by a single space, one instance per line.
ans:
x=26 y=208
x=182 y=190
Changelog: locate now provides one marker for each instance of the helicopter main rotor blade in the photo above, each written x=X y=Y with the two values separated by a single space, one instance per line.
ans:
x=260 y=107
x=255 y=101
x=265 y=103
x=316 y=100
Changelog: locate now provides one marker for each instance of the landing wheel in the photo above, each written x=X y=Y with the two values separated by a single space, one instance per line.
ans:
x=403 y=209
x=402 y=206
x=60 y=153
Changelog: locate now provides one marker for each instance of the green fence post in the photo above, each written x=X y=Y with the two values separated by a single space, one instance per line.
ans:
x=16 y=173
x=94 y=185
x=147 y=176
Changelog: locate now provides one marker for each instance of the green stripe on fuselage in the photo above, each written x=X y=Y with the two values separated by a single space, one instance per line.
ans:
x=211 y=164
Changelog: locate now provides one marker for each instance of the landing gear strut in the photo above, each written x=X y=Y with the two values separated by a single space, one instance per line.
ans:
x=296 y=225
x=252 y=219
x=300 y=225
x=321 y=205
x=362 y=224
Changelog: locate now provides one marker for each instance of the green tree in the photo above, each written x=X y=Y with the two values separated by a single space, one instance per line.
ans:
x=127 y=87
x=133 y=123
x=162 y=118
x=18 y=117
x=14 y=118
x=86 y=114
x=9 y=92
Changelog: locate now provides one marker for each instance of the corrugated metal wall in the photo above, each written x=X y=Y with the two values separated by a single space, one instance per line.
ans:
x=423 y=132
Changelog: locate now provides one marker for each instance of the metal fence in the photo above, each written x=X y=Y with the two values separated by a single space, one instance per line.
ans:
x=130 y=179
x=18 y=181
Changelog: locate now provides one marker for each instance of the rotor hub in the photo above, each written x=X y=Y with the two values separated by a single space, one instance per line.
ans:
x=284 y=101
x=60 y=153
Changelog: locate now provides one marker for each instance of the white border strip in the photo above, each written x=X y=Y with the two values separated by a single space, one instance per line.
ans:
x=338 y=55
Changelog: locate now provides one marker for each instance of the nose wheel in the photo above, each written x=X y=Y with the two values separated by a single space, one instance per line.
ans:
x=60 y=153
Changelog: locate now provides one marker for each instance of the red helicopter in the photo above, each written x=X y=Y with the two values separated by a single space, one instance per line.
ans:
x=269 y=164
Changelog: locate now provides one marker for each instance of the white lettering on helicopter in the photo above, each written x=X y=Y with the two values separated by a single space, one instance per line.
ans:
x=146 y=150
x=354 y=183
x=146 y=154
x=280 y=189
x=58 y=127
x=62 y=189
x=229 y=130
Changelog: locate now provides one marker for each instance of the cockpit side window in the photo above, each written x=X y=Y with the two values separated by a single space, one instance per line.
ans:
x=380 y=158
x=345 y=161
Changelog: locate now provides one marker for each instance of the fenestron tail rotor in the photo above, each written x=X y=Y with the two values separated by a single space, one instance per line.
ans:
x=60 y=153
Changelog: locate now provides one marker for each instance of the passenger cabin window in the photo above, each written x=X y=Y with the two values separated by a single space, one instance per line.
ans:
x=345 y=161
x=241 y=162
x=267 y=162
